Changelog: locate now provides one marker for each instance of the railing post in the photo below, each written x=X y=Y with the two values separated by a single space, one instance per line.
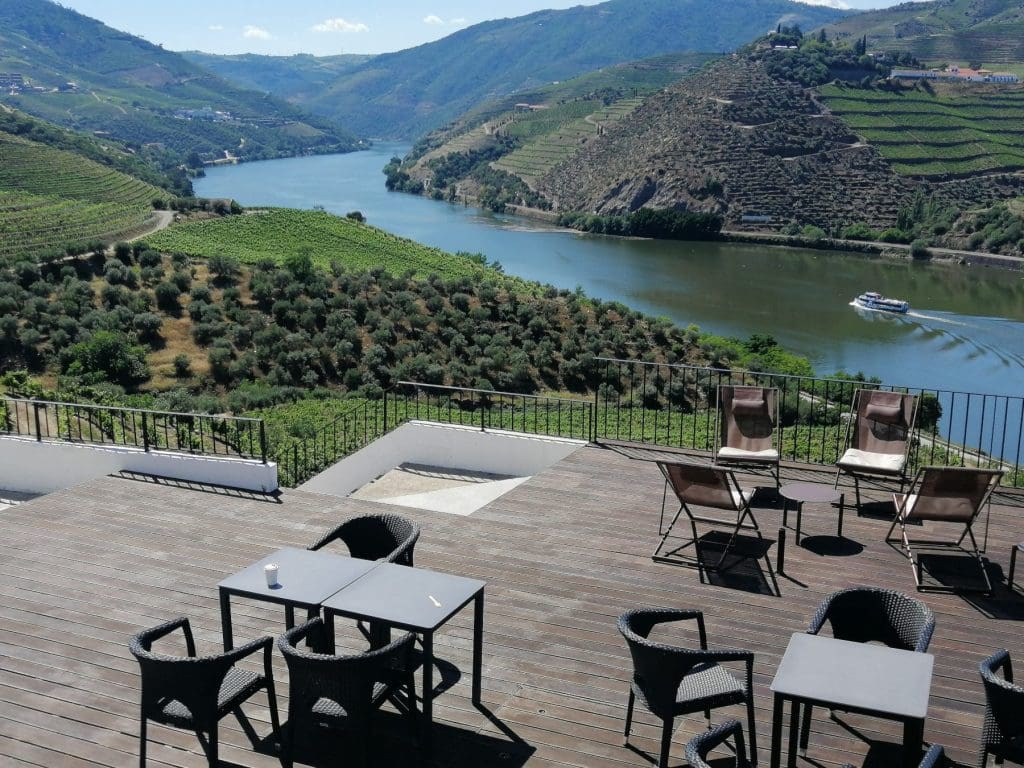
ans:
x=145 y=433
x=263 y=440
x=39 y=429
x=386 y=410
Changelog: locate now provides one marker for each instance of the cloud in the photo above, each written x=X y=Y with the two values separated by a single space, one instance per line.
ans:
x=255 y=33
x=340 y=25
x=436 y=21
x=216 y=27
x=837 y=4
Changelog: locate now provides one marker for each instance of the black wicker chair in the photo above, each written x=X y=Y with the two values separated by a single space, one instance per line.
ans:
x=389 y=538
x=673 y=681
x=1003 y=733
x=195 y=692
x=698 y=747
x=384 y=537
x=343 y=691
x=869 y=614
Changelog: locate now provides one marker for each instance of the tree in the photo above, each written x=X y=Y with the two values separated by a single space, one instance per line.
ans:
x=106 y=356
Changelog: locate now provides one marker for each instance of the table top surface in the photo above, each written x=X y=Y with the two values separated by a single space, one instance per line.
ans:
x=810 y=492
x=870 y=677
x=304 y=577
x=404 y=597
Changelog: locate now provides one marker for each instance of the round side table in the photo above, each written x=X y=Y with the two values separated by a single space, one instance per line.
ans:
x=815 y=493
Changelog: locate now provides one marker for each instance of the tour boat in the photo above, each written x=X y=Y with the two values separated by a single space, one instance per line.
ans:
x=872 y=300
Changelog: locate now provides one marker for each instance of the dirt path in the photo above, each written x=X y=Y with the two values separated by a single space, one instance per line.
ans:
x=161 y=220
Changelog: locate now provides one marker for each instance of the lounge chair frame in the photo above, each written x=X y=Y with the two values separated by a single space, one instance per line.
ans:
x=757 y=430
x=869 y=434
x=709 y=487
x=928 y=503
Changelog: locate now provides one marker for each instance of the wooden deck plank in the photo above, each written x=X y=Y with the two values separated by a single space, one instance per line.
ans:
x=563 y=554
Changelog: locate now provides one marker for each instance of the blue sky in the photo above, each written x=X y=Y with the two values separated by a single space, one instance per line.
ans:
x=321 y=27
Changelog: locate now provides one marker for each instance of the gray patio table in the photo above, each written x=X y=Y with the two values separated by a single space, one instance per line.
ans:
x=857 y=677
x=305 y=580
x=813 y=493
x=416 y=600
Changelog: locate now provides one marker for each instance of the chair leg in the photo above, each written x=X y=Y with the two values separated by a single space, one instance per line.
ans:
x=142 y=742
x=752 y=730
x=288 y=736
x=275 y=721
x=805 y=729
x=629 y=713
x=666 y=742
x=983 y=760
x=213 y=751
x=856 y=492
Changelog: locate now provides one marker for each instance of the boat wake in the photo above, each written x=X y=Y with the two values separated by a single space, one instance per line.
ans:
x=936 y=318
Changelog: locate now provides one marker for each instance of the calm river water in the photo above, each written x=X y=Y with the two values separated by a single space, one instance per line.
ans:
x=965 y=330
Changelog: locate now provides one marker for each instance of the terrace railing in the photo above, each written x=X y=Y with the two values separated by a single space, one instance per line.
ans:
x=675 y=405
x=301 y=459
x=192 y=433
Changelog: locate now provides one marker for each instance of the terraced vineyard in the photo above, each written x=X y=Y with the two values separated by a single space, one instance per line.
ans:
x=51 y=199
x=959 y=131
x=279 y=233
x=554 y=138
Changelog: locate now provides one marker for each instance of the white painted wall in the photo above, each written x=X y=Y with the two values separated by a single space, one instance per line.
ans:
x=443 y=445
x=42 y=467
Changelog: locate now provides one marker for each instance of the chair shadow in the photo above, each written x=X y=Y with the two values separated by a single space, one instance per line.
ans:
x=955 y=571
x=394 y=741
x=880 y=754
x=1004 y=604
x=741 y=568
x=877 y=510
x=831 y=546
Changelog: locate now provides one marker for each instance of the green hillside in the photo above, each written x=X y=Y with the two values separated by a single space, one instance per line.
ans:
x=980 y=31
x=137 y=92
x=52 y=199
x=295 y=78
x=411 y=92
x=282 y=233
x=951 y=131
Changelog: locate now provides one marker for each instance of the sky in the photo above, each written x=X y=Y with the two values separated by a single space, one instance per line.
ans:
x=320 y=27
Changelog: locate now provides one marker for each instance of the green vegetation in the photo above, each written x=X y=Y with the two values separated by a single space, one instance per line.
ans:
x=934 y=131
x=280 y=235
x=296 y=77
x=134 y=91
x=663 y=224
x=53 y=200
x=810 y=61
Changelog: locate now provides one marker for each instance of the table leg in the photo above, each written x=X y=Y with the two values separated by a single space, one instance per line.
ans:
x=913 y=740
x=478 y=645
x=777 y=708
x=842 y=507
x=225 y=619
x=428 y=693
x=289 y=616
x=794 y=727
x=799 y=519
x=1013 y=566
x=328 y=632
x=785 y=512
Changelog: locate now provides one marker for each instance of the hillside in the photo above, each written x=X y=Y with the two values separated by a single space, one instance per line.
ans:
x=295 y=78
x=52 y=199
x=530 y=132
x=408 y=93
x=736 y=141
x=137 y=92
x=981 y=31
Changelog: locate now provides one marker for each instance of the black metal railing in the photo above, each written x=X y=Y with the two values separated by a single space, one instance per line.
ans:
x=193 y=433
x=299 y=460
x=676 y=405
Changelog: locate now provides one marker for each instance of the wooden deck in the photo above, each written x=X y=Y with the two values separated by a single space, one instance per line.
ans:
x=563 y=554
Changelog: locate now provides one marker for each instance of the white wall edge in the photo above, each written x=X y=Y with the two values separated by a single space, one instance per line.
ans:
x=32 y=466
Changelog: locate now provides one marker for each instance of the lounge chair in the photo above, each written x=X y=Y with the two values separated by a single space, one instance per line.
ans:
x=878 y=437
x=869 y=614
x=712 y=488
x=195 y=692
x=748 y=428
x=952 y=495
x=1003 y=733
x=673 y=681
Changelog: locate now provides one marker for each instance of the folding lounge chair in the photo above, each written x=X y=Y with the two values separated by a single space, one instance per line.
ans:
x=945 y=495
x=704 y=487
x=878 y=437
x=748 y=428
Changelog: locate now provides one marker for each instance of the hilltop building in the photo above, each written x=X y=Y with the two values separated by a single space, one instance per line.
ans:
x=955 y=72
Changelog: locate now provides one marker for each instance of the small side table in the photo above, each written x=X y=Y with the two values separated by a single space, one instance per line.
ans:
x=815 y=493
x=1013 y=563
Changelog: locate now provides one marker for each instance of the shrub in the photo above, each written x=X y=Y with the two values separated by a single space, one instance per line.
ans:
x=106 y=355
x=182 y=366
x=167 y=297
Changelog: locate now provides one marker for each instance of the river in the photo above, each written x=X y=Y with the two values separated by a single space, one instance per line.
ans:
x=965 y=330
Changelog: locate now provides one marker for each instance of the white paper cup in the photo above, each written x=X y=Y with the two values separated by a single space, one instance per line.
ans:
x=271 y=572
